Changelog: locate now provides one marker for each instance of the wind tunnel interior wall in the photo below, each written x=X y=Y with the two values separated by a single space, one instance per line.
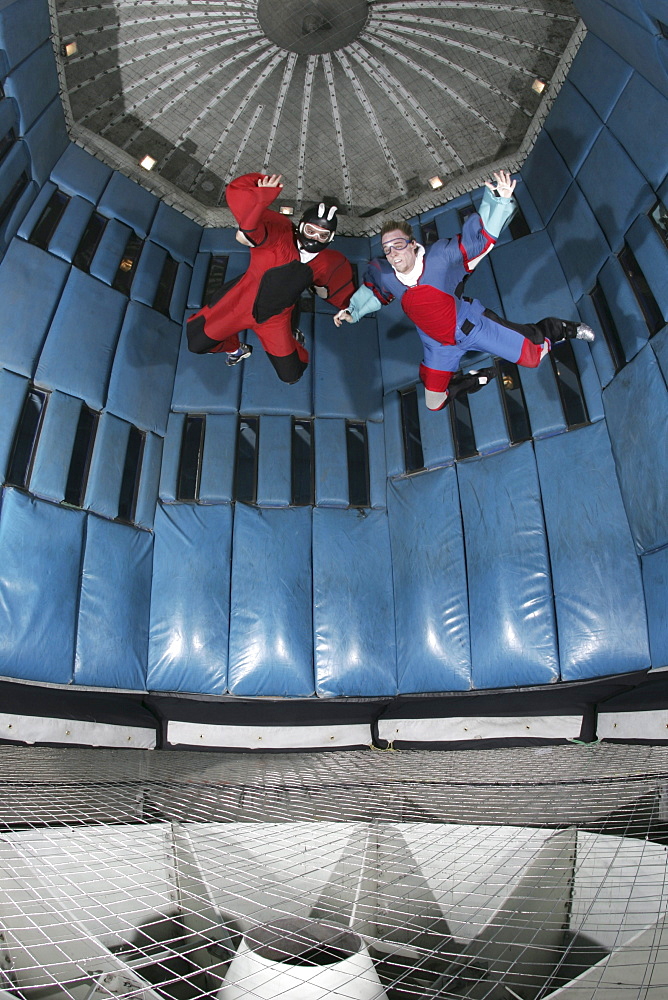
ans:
x=171 y=525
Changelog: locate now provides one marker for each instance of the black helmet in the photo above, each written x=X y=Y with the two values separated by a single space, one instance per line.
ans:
x=324 y=218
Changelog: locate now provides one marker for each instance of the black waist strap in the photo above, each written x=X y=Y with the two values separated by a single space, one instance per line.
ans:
x=466 y=327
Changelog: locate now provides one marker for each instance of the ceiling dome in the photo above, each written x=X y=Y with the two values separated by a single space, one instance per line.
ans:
x=362 y=103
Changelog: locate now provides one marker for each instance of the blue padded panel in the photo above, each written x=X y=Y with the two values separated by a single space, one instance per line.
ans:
x=634 y=9
x=106 y=468
x=573 y=126
x=190 y=600
x=198 y=281
x=659 y=344
x=177 y=303
x=429 y=573
x=599 y=74
x=263 y=392
x=79 y=350
x=599 y=349
x=220 y=442
x=629 y=321
x=331 y=463
x=353 y=615
x=355 y=248
x=16 y=162
x=541 y=395
x=655 y=580
x=123 y=199
x=595 y=572
x=149 y=269
x=149 y=482
x=67 y=236
x=482 y=285
x=643 y=50
x=24 y=25
x=112 y=635
x=347 y=374
x=223 y=241
x=271 y=632
x=79 y=172
x=171 y=456
x=579 y=242
x=647 y=147
x=54 y=451
x=375 y=433
x=33 y=84
x=636 y=410
x=46 y=140
x=513 y=634
x=589 y=380
x=543 y=161
x=8 y=117
x=652 y=255
x=447 y=222
x=606 y=172
x=274 y=469
x=400 y=346
x=204 y=383
x=31 y=282
x=31 y=217
x=40 y=555
x=13 y=389
x=531 y=280
x=489 y=422
x=435 y=433
x=142 y=376
x=181 y=236
x=394 y=443
x=109 y=251
x=528 y=206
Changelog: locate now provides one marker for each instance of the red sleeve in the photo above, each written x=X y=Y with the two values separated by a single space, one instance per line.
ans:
x=333 y=271
x=247 y=202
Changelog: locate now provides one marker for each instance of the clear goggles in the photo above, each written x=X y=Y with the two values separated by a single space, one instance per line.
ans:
x=316 y=233
x=398 y=244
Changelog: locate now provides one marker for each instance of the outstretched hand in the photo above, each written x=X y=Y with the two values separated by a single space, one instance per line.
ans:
x=342 y=316
x=504 y=185
x=270 y=181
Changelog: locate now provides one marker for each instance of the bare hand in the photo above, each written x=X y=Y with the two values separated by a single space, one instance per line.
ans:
x=270 y=181
x=341 y=316
x=504 y=185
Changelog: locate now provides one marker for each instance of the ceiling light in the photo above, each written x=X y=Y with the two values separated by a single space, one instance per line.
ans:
x=70 y=49
x=435 y=183
x=148 y=162
x=538 y=85
x=286 y=210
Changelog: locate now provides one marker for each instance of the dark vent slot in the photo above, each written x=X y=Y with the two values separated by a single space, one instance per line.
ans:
x=568 y=381
x=89 y=242
x=127 y=267
x=429 y=233
x=462 y=427
x=10 y=202
x=410 y=426
x=2 y=92
x=358 y=463
x=662 y=26
x=84 y=440
x=245 y=472
x=127 y=501
x=6 y=143
x=608 y=327
x=518 y=225
x=303 y=489
x=641 y=290
x=163 y=296
x=48 y=221
x=463 y=214
x=514 y=403
x=25 y=440
x=216 y=275
x=659 y=216
x=190 y=463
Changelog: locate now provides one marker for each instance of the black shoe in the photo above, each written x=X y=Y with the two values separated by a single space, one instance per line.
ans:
x=577 y=331
x=243 y=351
x=299 y=336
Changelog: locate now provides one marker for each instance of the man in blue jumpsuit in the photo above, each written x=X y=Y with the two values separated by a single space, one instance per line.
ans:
x=429 y=284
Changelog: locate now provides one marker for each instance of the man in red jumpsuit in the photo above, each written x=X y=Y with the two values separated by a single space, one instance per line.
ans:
x=284 y=262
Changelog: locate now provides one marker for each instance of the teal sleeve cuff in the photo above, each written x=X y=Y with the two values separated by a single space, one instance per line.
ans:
x=495 y=212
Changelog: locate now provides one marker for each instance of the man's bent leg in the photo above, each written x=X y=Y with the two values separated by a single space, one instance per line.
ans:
x=435 y=387
x=200 y=343
x=289 y=367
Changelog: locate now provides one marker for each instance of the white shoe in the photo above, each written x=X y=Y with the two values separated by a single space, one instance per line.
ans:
x=242 y=351
x=435 y=400
x=585 y=332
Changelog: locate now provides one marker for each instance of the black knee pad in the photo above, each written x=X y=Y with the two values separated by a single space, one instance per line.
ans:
x=289 y=368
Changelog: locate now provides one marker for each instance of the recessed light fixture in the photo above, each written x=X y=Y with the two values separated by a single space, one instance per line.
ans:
x=70 y=49
x=286 y=210
x=435 y=183
x=148 y=162
x=538 y=85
